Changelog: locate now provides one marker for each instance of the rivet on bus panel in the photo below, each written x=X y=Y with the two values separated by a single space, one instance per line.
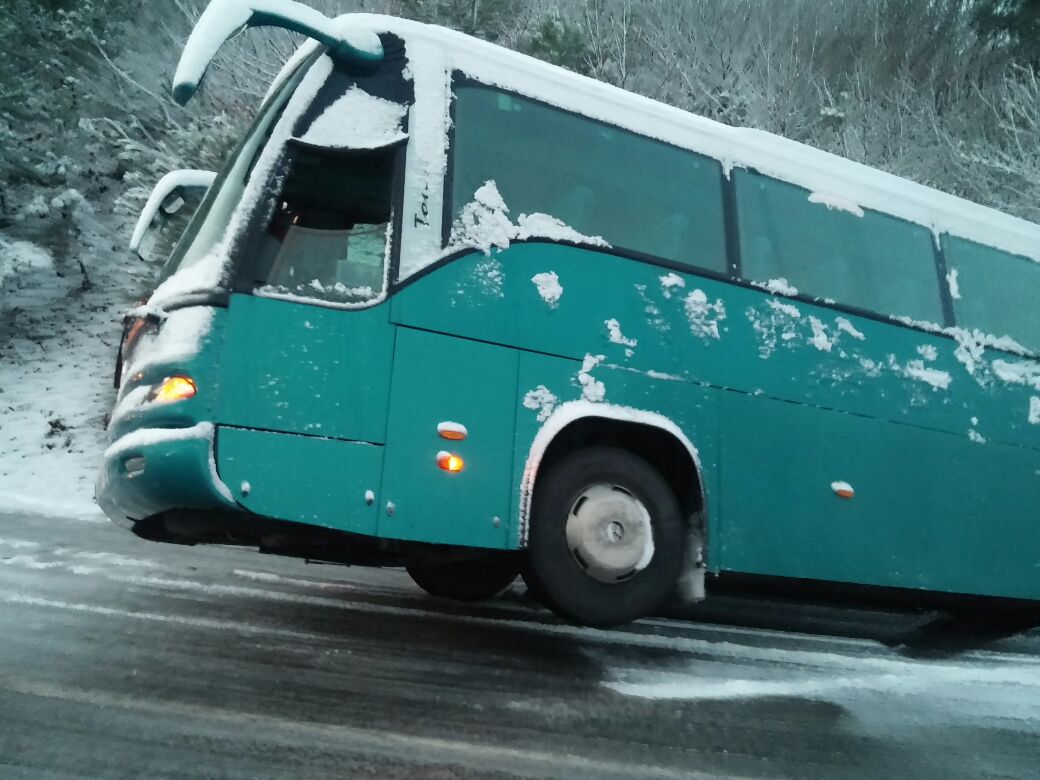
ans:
x=843 y=490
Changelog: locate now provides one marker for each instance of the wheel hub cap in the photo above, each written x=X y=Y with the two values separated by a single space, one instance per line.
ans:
x=609 y=533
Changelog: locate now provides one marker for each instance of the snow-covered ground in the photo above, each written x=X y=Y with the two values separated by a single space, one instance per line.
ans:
x=59 y=331
x=124 y=658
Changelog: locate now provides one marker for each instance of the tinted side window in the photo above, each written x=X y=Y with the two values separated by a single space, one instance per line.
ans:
x=873 y=262
x=637 y=193
x=999 y=292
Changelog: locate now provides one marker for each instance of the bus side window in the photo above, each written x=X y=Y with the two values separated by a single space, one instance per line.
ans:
x=639 y=194
x=995 y=292
x=873 y=262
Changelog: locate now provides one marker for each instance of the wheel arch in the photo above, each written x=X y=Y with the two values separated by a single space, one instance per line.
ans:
x=651 y=435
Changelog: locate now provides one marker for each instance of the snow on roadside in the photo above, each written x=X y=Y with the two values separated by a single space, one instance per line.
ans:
x=20 y=257
x=58 y=340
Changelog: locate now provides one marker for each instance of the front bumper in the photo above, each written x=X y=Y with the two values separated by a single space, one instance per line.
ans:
x=154 y=470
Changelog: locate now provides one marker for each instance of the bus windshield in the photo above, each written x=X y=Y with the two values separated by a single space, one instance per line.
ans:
x=211 y=219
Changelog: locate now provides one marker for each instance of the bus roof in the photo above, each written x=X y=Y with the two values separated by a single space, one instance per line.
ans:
x=834 y=179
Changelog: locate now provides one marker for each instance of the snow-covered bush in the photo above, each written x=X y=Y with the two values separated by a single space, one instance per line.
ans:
x=19 y=259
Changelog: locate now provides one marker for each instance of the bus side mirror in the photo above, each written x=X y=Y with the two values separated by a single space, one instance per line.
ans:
x=223 y=19
x=166 y=199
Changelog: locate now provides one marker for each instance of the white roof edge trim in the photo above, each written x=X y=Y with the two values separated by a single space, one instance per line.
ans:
x=771 y=155
x=571 y=411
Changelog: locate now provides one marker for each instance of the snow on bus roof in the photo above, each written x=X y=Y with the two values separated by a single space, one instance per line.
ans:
x=735 y=147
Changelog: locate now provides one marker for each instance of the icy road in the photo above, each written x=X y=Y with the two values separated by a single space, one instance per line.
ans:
x=120 y=658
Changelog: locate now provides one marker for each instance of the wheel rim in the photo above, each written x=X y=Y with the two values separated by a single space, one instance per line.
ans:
x=609 y=533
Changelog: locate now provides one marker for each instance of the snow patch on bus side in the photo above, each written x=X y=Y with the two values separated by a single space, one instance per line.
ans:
x=971 y=344
x=704 y=317
x=617 y=337
x=652 y=310
x=1018 y=373
x=592 y=389
x=820 y=339
x=484 y=224
x=669 y=282
x=777 y=325
x=541 y=400
x=845 y=326
x=178 y=340
x=549 y=288
x=778 y=286
x=917 y=370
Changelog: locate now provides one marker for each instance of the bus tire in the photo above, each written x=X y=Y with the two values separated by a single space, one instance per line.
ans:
x=470 y=580
x=606 y=539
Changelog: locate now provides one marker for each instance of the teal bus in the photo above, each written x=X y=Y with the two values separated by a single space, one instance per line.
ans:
x=450 y=308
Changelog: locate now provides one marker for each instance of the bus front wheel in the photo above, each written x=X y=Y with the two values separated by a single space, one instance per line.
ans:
x=606 y=539
x=470 y=580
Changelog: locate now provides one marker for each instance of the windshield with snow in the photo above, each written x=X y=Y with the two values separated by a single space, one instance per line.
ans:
x=305 y=208
x=211 y=219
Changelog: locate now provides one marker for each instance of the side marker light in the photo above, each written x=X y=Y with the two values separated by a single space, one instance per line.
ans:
x=452 y=431
x=843 y=490
x=449 y=462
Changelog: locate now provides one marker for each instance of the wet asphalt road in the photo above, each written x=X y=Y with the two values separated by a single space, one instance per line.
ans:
x=125 y=659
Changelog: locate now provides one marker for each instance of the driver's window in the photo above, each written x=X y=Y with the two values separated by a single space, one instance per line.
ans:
x=329 y=236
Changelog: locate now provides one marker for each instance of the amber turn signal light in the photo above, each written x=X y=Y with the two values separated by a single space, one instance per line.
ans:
x=449 y=462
